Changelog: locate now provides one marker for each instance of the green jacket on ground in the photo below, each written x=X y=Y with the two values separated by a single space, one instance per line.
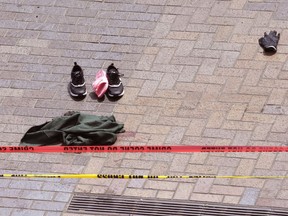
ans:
x=74 y=128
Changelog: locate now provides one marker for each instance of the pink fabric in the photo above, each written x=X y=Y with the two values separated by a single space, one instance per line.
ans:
x=100 y=85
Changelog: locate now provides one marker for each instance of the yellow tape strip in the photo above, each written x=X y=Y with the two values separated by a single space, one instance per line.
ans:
x=133 y=176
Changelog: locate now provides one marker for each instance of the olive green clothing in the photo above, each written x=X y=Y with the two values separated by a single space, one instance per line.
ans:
x=74 y=128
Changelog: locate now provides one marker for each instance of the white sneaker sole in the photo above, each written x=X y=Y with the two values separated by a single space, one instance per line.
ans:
x=79 y=95
x=116 y=95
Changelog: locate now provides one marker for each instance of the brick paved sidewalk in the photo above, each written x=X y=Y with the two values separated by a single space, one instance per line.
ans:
x=194 y=75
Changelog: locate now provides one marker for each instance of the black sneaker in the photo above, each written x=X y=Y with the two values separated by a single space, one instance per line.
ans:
x=77 y=87
x=115 y=87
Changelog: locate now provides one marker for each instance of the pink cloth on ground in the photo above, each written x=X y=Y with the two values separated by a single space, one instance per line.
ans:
x=100 y=85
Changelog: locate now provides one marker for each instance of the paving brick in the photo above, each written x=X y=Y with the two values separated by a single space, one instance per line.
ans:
x=26 y=212
x=236 y=112
x=237 y=4
x=136 y=164
x=225 y=46
x=280 y=124
x=228 y=190
x=277 y=96
x=209 y=97
x=81 y=160
x=248 y=51
x=140 y=192
x=203 y=185
x=199 y=140
x=59 y=187
x=17 y=129
x=196 y=127
x=233 y=84
x=270 y=189
x=202 y=169
x=175 y=136
x=4 y=183
x=271 y=202
x=187 y=74
x=183 y=191
x=277 y=137
x=37 y=195
x=216 y=120
x=279 y=166
x=219 y=133
x=179 y=162
x=117 y=186
x=155 y=156
x=256 y=104
x=186 y=61
x=250 y=196
x=180 y=23
x=201 y=28
x=217 y=106
x=283 y=194
x=15 y=50
x=130 y=109
x=245 y=167
x=164 y=42
x=260 y=118
x=265 y=161
x=184 y=48
x=161 y=185
x=221 y=161
x=138 y=183
x=224 y=171
x=200 y=15
x=161 y=30
x=145 y=62
x=165 y=194
x=261 y=132
x=6 y=211
x=252 y=183
x=5 y=192
x=206 y=197
x=231 y=200
x=90 y=189
x=24 y=111
x=222 y=20
x=168 y=81
x=261 y=6
x=255 y=90
x=50 y=206
x=243 y=27
x=15 y=203
x=248 y=64
x=228 y=58
x=53 y=214
x=204 y=41
x=29 y=185
x=62 y=197
x=155 y=129
x=241 y=14
x=223 y=33
x=208 y=66
x=219 y=8
x=252 y=77
x=173 y=121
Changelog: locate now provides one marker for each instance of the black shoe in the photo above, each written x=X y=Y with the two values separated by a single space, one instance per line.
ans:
x=115 y=87
x=77 y=87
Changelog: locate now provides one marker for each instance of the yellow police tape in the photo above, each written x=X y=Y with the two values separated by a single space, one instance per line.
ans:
x=133 y=176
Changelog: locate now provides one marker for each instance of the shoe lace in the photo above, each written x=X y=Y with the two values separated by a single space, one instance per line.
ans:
x=114 y=78
x=77 y=78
